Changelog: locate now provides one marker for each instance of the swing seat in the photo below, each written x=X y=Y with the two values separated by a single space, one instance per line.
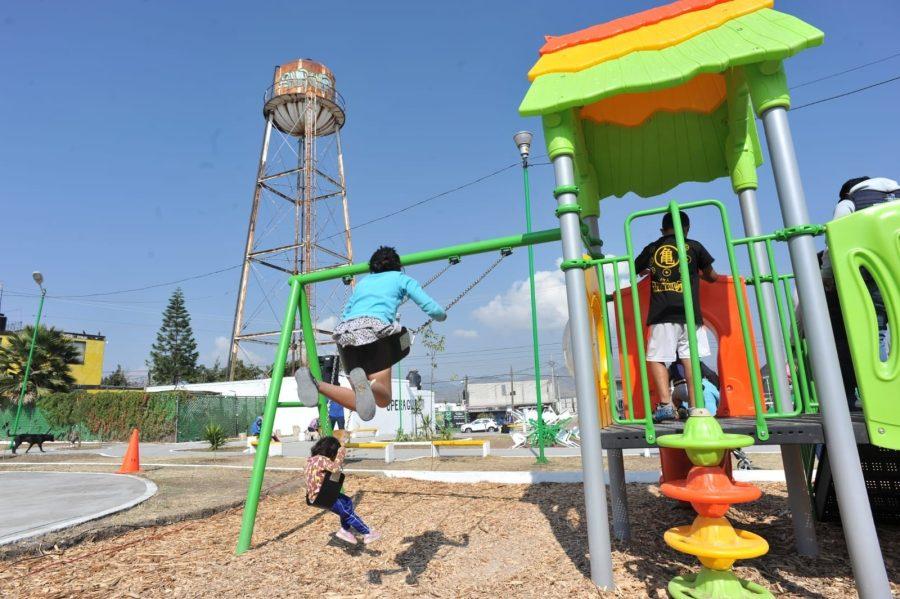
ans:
x=378 y=355
x=329 y=492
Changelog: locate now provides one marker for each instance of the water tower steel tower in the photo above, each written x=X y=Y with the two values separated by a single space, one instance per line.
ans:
x=299 y=220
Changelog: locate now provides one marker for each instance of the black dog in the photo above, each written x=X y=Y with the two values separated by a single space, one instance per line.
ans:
x=31 y=439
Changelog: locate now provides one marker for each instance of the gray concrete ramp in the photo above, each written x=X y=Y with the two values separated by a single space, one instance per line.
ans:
x=36 y=503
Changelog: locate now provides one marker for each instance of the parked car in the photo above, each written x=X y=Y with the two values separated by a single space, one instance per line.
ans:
x=481 y=425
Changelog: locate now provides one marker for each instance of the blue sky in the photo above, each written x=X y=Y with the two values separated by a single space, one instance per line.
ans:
x=130 y=134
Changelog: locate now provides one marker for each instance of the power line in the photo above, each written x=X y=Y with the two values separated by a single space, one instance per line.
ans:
x=363 y=224
x=847 y=93
x=146 y=287
x=430 y=198
x=845 y=71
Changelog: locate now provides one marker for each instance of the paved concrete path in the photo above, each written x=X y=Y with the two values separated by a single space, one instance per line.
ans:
x=36 y=503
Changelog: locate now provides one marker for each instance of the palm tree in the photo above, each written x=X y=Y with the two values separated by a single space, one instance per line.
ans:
x=53 y=354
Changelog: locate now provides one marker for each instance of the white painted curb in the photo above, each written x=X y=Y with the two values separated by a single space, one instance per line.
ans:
x=150 y=490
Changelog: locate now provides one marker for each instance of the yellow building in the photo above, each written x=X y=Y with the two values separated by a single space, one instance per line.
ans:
x=87 y=370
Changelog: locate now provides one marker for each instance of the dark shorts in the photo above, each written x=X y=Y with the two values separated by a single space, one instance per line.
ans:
x=337 y=422
x=376 y=356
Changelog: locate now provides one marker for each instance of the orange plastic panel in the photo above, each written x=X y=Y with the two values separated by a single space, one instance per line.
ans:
x=702 y=94
x=627 y=23
x=710 y=491
x=675 y=465
x=719 y=310
x=650 y=37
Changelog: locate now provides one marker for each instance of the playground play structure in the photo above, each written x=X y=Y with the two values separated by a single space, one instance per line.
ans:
x=640 y=105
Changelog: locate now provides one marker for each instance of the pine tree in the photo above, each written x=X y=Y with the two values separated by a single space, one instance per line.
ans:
x=173 y=358
x=116 y=378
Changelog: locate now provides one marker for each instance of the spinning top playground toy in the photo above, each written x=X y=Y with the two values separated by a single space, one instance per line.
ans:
x=711 y=492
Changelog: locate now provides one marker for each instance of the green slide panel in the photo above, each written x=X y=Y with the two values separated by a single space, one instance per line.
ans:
x=870 y=239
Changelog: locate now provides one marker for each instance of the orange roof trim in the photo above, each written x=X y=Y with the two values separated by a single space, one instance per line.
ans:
x=702 y=94
x=629 y=23
x=651 y=37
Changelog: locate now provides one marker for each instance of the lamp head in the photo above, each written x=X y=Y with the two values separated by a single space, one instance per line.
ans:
x=38 y=277
x=523 y=142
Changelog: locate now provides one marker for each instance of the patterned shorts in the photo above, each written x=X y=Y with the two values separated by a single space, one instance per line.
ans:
x=363 y=330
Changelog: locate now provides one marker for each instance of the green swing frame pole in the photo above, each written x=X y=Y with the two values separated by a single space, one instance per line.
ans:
x=453 y=251
x=541 y=459
x=298 y=300
x=265 y=433
x=34 y=334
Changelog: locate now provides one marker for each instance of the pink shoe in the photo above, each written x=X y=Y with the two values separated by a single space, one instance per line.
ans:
x=346 y=536
x=371 y=537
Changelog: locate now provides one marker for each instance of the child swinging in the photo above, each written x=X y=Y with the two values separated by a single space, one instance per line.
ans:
x=369 y=338
x=323 y=489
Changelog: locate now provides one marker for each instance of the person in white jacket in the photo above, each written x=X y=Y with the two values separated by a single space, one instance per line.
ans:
x=858 y=194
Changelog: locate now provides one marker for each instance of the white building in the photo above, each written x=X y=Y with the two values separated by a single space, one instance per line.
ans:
x=509 y=394
x=290 y=420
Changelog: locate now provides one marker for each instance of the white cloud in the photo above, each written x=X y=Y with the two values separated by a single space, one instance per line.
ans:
x=511 y=310
x=465 y=333
x=609 y=275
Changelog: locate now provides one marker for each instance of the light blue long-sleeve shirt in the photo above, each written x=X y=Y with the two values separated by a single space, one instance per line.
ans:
x=379 y=295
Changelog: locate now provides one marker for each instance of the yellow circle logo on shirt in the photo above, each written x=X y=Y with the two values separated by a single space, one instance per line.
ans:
x=666 y=256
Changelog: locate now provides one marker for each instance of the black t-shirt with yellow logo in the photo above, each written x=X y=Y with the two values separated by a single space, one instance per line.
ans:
x=666 y=293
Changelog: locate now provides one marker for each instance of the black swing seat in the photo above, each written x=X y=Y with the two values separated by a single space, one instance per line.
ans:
x=329 y=492
x=378 y=355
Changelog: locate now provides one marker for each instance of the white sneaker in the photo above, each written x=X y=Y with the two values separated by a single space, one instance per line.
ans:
x=365 y=399
x=307 y=391
x=371 y=537
x=346 y=536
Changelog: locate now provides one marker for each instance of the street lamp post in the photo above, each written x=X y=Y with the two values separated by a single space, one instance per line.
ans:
x=522 y=140
x=39 y=279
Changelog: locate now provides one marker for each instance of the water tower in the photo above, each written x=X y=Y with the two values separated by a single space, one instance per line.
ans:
x=299 y=219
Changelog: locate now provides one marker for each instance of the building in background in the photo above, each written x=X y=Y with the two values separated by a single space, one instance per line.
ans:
x=488 y=397
x=87 y=370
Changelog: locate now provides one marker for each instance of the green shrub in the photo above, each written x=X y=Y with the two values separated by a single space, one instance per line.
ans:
x=446 y=432
x=111 y=414
x=215 y=436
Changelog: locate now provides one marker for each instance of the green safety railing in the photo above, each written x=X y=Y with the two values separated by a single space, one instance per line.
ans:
x=802 y=391
x=673 y=208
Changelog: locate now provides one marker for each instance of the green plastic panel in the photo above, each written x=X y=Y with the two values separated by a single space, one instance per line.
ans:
x=668 y=149
x=765 y=35
x=870 y=239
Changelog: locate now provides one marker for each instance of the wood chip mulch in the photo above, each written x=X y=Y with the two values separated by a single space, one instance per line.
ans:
x=440 y=540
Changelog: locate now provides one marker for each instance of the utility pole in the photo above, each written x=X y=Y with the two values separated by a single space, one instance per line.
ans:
x=554 y=389
x=512 y=389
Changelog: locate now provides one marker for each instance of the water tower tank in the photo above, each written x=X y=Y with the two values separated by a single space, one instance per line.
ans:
x=302 y=84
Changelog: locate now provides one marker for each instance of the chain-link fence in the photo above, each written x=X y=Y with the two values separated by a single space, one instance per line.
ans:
x=233 y=414
x=110 y=416
x=32 y=420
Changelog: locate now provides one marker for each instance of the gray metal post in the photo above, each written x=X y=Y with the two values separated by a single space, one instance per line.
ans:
x=850 y=486
x=617 y=491
x=588 y=420
x=794 y=473
x=617 y=495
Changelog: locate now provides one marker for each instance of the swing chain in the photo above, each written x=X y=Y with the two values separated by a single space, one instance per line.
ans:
x=503 y=254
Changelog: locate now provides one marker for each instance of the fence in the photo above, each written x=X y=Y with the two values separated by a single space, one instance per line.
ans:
x=109 y=416
x=233 y=414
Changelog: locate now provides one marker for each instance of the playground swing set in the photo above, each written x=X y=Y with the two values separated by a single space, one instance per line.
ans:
x=640 y=105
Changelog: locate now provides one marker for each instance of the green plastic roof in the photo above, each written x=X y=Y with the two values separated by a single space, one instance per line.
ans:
x=666 y=150
x=765 y=35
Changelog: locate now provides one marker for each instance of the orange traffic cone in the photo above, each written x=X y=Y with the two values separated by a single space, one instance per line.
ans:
x=132 y=461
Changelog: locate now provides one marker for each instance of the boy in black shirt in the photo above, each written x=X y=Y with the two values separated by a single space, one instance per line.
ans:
x=668 y=333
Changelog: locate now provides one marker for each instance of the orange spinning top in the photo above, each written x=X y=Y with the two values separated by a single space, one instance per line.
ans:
x=710 y=491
